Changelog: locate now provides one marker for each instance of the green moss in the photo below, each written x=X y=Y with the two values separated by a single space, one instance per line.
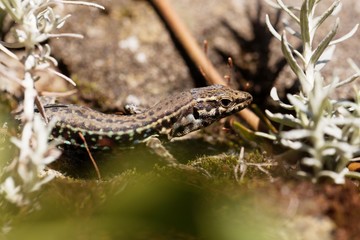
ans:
x=222 y=167
x=164 y=203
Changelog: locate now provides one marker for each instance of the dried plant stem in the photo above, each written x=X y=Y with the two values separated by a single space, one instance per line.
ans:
x=187 y=40
x=90 y=155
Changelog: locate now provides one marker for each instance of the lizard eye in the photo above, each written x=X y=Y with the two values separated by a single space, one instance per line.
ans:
x=225 y=102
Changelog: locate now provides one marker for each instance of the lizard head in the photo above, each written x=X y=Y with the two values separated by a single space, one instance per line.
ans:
x=210 y=104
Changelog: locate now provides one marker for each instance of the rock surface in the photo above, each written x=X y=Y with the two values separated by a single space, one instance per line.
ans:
x=128 y=55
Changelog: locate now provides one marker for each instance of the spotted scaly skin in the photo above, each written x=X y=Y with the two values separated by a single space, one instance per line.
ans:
x=174 y=116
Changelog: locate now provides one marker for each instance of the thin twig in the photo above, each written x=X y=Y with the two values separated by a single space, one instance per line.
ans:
x=41 y=109
x=58 y=94
x=90 y=155
x=240 y=167
x=228 y=76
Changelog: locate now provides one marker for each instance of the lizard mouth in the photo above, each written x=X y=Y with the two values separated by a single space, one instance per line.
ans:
x=243 y=103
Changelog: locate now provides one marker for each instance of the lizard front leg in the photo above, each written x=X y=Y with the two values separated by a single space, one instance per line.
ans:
x=159 y=149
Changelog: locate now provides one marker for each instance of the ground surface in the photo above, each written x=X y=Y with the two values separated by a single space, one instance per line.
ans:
x=128 y=56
